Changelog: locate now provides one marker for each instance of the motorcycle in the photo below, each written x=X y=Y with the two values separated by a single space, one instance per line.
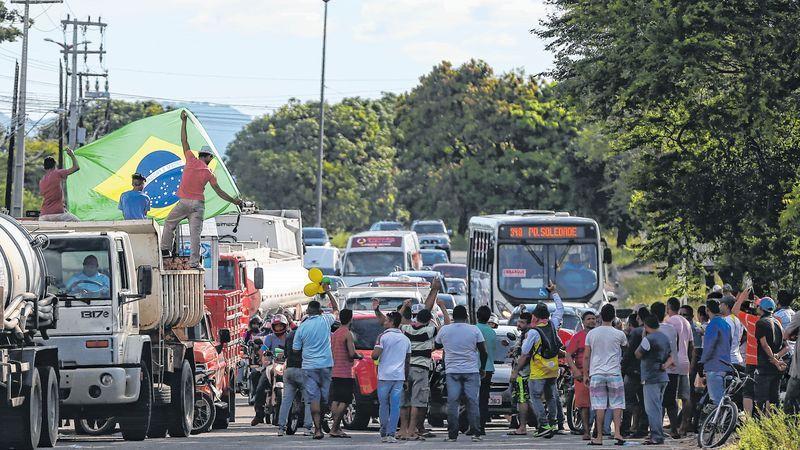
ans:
x=274 y=372
x=253 y=369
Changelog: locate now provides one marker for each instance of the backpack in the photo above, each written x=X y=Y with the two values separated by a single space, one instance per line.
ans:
x=550 y=343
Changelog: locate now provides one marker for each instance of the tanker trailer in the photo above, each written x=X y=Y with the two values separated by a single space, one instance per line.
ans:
x=29 y=397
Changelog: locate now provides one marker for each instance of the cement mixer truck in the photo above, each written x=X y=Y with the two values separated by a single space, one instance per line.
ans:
x=29 y=396
x=122 y=337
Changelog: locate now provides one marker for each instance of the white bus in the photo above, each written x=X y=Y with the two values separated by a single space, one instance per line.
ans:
x=513 y=256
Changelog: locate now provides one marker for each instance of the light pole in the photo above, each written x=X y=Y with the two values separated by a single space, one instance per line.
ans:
x=321 y=117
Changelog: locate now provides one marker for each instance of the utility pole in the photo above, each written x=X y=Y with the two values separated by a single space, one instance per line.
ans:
x=60 y=115
x=19 y=160
x=320 y=155
x=10 y=162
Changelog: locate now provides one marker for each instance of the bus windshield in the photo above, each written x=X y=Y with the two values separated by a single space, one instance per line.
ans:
x=525 y=269
x=360 y=264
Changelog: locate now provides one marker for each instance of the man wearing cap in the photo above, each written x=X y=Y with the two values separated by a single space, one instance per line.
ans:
x=191 y=203
x=135 y=204
x=771 y=347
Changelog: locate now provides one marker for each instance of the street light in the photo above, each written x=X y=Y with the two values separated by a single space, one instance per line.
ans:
x=321 y=117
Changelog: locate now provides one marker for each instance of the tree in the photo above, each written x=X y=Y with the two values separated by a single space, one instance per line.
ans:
x=701 y=97
x=102 y=118
x=274 y=161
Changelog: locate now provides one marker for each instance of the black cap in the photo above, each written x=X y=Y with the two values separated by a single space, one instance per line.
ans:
x=138 y=176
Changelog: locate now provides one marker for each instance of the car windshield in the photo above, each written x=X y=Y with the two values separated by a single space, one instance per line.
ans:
x=429 y=228
x=387 y=303
x=453 y=271
x=362 y=264
x=388 y=226
x=501 y=351
x=458 y=285
x=313 y=233
x=365 y=332
x=431 y=258
x=80 y=267
x=226 y=276
x=570 y=322
x=525 y=269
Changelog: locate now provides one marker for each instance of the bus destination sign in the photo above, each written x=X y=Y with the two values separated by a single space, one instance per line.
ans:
x=543 y=232
x=376 y=241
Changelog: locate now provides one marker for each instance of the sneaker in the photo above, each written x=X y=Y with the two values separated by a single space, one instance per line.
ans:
x=308 y=432
x=384 y=439
x=449 y=439
x=477 y=438
x=544 y=431
x=391 y=440
x=281 y=432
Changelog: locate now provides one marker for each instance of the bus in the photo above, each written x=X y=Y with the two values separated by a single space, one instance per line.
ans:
x=513 y=256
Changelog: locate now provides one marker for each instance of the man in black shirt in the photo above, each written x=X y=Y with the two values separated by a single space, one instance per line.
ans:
x=771 y=347
x=634 y=421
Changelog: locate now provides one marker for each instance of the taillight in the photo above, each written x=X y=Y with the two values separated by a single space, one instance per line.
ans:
x=103 y=343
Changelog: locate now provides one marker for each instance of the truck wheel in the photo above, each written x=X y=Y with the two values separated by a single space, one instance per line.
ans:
x=182 y=408
x=50 y=404
x=135 y=425
x=22 y=426
x=204 y=414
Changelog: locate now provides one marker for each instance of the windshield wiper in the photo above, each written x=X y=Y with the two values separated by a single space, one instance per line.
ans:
x=563 y=256
x=535 y=256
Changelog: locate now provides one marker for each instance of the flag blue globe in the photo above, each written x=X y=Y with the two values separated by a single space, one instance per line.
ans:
x=163 y=171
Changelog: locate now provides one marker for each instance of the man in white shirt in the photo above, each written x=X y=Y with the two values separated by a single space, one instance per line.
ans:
x=464 y=355
x=393 y=353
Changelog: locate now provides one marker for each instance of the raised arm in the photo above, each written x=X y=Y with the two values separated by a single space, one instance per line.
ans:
x=436 y=285
x=558 y=315
x=184 y=137
x=737 y=307
x=376 y=306
x=75 y=167
x=331 y=300
x=445 y=314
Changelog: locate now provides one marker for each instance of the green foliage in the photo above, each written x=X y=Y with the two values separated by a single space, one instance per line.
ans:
x=274 y=160
x=340 y=239
x=645 y=289
x=701 y=99
x=35 y=152
x=768 y=432
x=101 y=118
x=9 y=21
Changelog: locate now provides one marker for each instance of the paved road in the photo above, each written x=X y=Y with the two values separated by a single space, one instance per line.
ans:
x=241 y=435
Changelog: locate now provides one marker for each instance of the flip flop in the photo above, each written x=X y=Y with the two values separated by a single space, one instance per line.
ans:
x=619 y=442
x=319 y=436
x=595 y=443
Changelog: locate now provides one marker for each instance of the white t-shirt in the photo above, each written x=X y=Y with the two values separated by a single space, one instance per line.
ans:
x=392 y=363
x=606 y=357
x=460 y=342
x=737 y=329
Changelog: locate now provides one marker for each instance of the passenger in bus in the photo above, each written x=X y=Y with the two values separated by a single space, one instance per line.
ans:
x=575 y=279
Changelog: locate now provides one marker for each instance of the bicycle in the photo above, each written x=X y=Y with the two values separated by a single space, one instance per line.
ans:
x=721 y=422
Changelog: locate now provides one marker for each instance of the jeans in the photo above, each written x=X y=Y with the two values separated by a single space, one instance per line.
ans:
x=317 y=385
x=716 y=386
x=260 y=396
x=467 y=384
x=486 y=384
x=653 y=398
x=390 y=395
x=546 y=387
x=193 y=210
x=292 y=385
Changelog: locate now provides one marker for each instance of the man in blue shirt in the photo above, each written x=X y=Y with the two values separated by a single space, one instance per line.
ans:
x=716 y=351
x=135 y=204
x=89 y=283
x=313 y=337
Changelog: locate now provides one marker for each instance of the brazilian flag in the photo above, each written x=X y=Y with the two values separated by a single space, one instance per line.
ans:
x=152 y=147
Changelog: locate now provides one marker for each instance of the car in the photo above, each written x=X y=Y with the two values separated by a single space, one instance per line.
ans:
x=359 y=298
x=451 y=270
x=314 y=236
x=327 y=259
x=428 y=275
x=403 y=281
x=458 y=289
x=433 y=234
x=572 y=319
x=386 y=225
x=432 y=256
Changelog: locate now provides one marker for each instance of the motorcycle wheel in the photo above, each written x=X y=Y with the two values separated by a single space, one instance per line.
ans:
x=295 y=417
x=574 y=418
x=204 y=414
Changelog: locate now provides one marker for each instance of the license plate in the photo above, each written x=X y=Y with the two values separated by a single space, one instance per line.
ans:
x=495 y=399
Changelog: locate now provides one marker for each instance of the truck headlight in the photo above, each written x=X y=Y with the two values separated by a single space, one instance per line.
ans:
x=106 y=379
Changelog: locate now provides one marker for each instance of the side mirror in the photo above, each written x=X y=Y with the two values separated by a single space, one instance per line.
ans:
x=224 y=336
x=511 y=336
x=337 y=272
x=608 y=258
x=258 y=277
x=144 y=280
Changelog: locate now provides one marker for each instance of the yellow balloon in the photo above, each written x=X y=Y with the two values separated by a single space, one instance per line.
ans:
x=320 y=289
x=315 y=275
x=310 y=289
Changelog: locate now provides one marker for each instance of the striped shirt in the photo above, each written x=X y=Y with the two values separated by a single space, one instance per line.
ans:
x=421 y=337
x=342 y=363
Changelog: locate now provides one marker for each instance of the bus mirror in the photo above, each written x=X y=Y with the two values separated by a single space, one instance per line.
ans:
x=607 y=256
x=258 y=277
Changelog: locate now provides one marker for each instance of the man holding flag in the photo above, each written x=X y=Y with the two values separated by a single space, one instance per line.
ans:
x=191 y=203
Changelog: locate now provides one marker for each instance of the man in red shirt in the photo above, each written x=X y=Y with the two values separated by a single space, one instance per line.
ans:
x=751 y=347
x=191 y=203
x=575 y=349
x=53 y=193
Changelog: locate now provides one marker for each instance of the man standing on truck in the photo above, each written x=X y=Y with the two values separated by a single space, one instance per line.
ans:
x=135 y=204
x=191 y=203
x=52 y=192
x=313 y=337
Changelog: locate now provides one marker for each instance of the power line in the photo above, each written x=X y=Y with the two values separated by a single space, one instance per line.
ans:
x=256 y=77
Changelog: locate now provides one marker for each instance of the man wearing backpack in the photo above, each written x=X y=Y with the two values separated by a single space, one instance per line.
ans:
x=541 y=347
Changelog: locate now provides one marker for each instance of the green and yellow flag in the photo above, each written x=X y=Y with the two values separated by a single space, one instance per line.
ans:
x=152 y=147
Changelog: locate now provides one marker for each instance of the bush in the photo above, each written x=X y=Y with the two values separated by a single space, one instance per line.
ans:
x=339 y=239
x=777 y=430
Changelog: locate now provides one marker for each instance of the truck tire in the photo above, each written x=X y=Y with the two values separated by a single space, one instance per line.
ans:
x=22 y=426
x=182 y=407
x=50 y=407
x=159 y=416
x=135 y=425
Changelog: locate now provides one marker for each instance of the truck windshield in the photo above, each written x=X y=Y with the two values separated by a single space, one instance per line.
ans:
x=429 y=228
x=80 y=267
x=226 y=276
x=364 y=264
x=313 y=233
x=525 y=269
x=365 y=332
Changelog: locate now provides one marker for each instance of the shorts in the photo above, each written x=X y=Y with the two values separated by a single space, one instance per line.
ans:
x=607 y=392
x=418 y=390
x=684 y=388
x=748 y=390
x=581 y=395
x=316 y=385
x=519 y=390
x=342 y=390
x=766 y=388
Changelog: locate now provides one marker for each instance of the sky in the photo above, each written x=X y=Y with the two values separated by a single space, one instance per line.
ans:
x=256 y=54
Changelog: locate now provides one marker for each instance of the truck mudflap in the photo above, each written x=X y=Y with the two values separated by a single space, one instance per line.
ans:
x=20 y=361
x=87 y=386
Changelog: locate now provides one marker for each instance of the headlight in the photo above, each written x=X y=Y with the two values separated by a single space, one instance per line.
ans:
x=106 y=379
